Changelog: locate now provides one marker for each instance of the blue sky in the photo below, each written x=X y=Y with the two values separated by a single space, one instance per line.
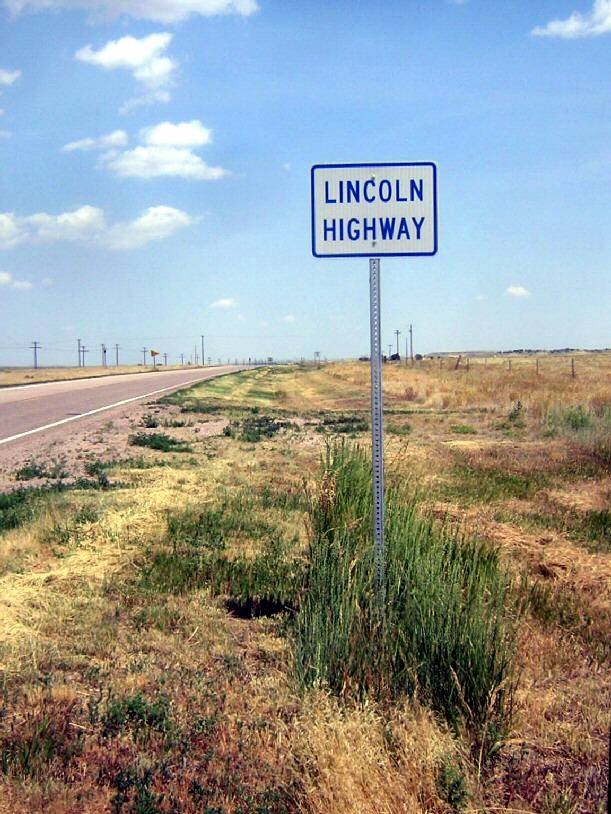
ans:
x=155 y=172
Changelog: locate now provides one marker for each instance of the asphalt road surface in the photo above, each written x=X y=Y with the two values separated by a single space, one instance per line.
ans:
x=37 y=409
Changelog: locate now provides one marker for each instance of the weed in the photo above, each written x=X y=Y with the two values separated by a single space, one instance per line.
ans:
x=45 y=737
x=137 y=713
x=159 y=441
x=577 y=418
x=149 y=421
x=34 y=469
x=135 y=785
x=452 y=786
x=97 y=470
x=445 y=633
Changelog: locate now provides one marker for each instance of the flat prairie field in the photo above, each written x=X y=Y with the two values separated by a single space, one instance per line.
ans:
x=191 y=624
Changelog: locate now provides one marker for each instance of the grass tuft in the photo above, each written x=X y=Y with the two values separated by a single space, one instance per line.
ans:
x=446 y=635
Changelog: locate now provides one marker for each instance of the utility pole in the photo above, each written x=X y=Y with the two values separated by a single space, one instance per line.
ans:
x=35 y=347
x=203 y=357
x=165 y=359
x=84 y=350
x=389 y=351
x=195 y=356
x=103 y=355
x=144 y=356
x=79 y=352
x=182 y=360
x=117 y=355
x=397 y=333
x=406 y=351
x=411 y=344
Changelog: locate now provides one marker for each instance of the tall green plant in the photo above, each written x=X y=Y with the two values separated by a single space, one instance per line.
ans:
x=445 y=635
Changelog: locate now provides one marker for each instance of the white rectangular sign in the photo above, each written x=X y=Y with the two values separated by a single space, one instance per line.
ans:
x=374 y=210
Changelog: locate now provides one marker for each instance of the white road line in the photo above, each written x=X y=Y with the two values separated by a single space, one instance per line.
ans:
x=97 y=410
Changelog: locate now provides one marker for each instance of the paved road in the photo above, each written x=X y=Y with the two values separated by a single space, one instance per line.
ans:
x=36 y=409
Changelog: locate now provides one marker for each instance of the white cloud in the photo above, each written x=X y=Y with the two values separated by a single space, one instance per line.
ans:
x=184 y=134
x=144 y=58
x=288 y=318
x=592 y=24
x=517 y=291
x=157 y=223
x=11 y=231
x=88 y=225
x=161 y=11
x=7 y=280
x=118 y=138
x=8 y=77
x=85 y=223
x=225 y=302
x=150 y=162
x=166 y=151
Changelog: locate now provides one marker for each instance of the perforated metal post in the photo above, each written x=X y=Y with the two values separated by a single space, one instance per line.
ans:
x=376 y=429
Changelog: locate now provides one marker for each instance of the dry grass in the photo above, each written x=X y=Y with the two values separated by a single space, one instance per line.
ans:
x=216 y=722
x=28 y=375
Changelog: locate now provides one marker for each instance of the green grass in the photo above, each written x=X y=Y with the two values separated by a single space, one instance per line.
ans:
x=468 y=484
x=463 y=429
x=399 y=429
x=200 y=553
x=159 y=441
x=446 y=635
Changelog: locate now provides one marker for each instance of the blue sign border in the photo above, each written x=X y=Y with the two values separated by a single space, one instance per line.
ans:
x=375 y=164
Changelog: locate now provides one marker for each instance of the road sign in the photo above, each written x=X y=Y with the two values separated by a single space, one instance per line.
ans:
x=374 y=210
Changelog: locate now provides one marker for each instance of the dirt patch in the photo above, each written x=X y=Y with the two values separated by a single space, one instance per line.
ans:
x=98 y=438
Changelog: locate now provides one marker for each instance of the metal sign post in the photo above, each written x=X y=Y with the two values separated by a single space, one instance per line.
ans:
x=377 y=429
x=375 y=210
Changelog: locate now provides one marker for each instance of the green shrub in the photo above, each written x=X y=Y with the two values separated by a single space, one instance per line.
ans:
x=16 y=508
x=343 y=424
x=253 y=428
x=445 y=634
x=159 y=441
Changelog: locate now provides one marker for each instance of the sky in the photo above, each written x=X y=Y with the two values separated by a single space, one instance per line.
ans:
x=156 y=158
